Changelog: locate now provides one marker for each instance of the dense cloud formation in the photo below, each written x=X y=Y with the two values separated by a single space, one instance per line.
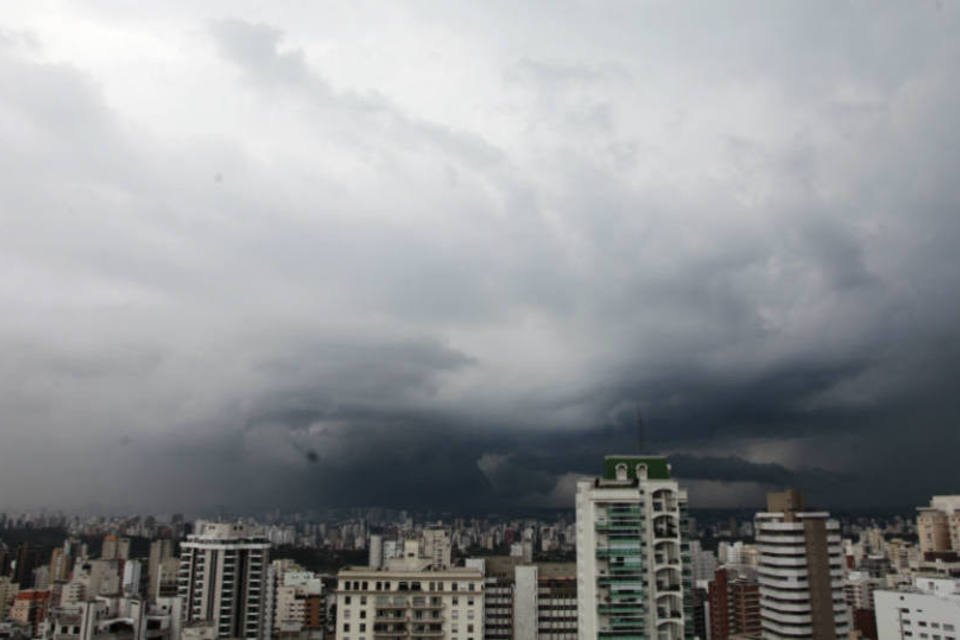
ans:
x=450 y=254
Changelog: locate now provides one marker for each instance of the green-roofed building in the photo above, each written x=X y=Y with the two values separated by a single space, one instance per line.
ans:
x=633 y=569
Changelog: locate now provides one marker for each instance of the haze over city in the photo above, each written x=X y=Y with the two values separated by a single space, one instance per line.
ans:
x=433 y=254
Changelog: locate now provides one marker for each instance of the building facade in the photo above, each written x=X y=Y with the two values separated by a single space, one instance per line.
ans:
x=410 y=604
x=633 y=576
x=800 y=572
x=223 y=579
x=929 y=609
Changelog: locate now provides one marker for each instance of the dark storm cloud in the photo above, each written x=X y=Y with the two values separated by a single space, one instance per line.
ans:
x=444 y=255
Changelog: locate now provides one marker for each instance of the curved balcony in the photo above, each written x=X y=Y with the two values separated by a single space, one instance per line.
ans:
x=670 y=629
x=666 y=552
x=665 y=526
x=664 y=500
x=667 y=579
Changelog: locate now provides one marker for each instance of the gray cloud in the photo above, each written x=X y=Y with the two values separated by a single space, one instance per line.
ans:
x=444 y=255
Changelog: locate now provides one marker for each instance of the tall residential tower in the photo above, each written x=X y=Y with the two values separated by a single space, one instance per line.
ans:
x=223 y=579
x=633 y=575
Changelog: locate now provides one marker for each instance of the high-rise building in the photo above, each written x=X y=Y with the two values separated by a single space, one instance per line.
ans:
x=223 y=579
x=938 y=526
x=528 y=600
x=376 y=552
x=801 y=571
x=435 y=542
x=160 y=550
x=115 y=548
x=632 y=556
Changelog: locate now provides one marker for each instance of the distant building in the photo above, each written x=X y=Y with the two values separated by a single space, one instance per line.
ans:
x=801 y=571
x=633 y=577
x=160 y=551
x=734 y=603
x=223 y=579
x=528 y=600
x=703 y=563
x=115 y=548
x=297 y=602
x=30 y=608
x=435 y=545
x=938 y=530
x=376 y=552
x=8 y=589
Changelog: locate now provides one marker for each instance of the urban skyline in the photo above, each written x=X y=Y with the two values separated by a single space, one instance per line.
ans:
x=634 y=563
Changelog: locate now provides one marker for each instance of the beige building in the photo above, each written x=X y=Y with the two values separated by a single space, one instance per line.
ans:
x=297 y=599
x=407 y=600
x=8 y=589
x=938 y=526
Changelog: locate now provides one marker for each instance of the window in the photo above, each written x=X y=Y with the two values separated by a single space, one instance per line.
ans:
x=346 y=627
x=363 y=627
x=363 y=599
x=346 y=600
x=469 y=628
x=363 y=614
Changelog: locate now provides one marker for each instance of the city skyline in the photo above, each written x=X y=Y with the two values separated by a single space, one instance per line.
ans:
x=441 y=254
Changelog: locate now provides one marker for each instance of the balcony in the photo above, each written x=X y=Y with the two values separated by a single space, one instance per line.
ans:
x=619 y=552
x=615 y=526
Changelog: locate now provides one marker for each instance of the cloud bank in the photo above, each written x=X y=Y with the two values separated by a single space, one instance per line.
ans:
x=444 y=254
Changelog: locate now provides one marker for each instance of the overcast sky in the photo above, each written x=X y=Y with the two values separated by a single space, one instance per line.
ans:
x=258 y=254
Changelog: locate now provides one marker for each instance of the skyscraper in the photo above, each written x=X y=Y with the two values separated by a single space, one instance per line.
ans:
x=801 y=571
x=223 y=579
x=160 y=550
x=632 y=559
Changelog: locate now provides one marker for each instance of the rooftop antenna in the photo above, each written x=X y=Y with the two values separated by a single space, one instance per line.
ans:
x=641 y=434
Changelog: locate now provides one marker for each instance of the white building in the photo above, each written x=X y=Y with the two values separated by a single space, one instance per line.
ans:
x=930 y=610
x=631 y=578
x=436 y=546
x=297 y=601
x=376 y=552
x=800 y=572
x=400 y=602
x=223 y=579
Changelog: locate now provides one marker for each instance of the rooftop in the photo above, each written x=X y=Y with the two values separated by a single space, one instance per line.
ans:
x=657 y=466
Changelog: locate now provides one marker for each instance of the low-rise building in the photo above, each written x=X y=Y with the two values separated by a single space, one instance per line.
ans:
x=929 y=609
x=400 y=602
